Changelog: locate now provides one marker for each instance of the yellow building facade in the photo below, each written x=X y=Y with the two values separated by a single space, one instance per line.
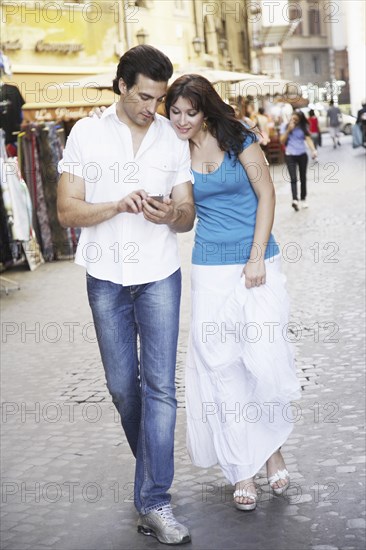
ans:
x=51 y=44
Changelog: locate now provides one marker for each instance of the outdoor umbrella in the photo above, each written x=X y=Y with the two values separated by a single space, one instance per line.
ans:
x=104 y=80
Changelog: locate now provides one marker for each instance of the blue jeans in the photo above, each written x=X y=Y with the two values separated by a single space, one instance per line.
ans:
x=142 y=385
x=302 y=162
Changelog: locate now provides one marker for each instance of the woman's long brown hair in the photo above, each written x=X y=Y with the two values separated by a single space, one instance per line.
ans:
x=220 y=117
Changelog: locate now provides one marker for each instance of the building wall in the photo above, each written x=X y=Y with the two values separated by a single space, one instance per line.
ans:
x=306 y=52
x=50 y=43
x=306 y=66
x=223 y=20
x=356 y=31
x=57 y=36
x=342 y=74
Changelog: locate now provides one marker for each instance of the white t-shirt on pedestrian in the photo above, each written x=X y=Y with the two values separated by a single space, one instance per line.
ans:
x=126 y=249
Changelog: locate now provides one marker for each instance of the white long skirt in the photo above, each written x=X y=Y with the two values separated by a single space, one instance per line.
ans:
x=240 y=374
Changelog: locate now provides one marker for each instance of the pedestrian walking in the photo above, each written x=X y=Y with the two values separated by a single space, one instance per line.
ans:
x=361 y=122
x=262 y=121
x=334 y=119
x=295 y=136
x=314 y=128
x=236 y=108
x=128 y=246
x=236 y=280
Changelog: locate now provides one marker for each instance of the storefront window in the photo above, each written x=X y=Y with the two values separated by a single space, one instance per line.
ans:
x=314 y=22
x=295 y=15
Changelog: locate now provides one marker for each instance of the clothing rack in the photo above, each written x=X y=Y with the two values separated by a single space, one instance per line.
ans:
x=39 y=149
x=34 y=155
x=7 y=284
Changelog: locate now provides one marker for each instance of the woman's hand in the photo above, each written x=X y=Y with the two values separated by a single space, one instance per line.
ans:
x=97 y=111
x=255 y=273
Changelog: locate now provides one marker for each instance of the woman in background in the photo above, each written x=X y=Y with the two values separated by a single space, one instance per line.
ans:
x=295 y=136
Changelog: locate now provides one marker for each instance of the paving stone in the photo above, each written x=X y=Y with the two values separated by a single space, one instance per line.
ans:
x=329 y=462
x=358 y=523
x=302 y=519
x=25 y=528
x=323 y=453
x=345 y=469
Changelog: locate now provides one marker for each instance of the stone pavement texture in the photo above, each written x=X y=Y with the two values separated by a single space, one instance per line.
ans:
x=67 y=472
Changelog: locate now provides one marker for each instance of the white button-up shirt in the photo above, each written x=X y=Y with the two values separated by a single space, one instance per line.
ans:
x=126 y=249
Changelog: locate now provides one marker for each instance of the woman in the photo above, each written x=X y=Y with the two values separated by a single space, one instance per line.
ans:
x=240 y=373
x=294 y=136
x=314 y=128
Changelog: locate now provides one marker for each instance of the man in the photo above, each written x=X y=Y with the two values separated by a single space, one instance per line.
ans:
x=361 y=121
x=11 y=103
x=129 y=248
x=334 y=117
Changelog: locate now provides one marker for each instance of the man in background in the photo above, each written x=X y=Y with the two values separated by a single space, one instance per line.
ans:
x=334 y=119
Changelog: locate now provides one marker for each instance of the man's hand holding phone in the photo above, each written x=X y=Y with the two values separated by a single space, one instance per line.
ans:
x=158 y=209
x=159 y=198
x=132 y=203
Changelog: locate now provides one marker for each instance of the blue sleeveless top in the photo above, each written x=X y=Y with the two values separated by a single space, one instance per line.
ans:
x=226 y=208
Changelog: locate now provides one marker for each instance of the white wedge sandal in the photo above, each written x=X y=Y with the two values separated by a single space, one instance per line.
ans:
x=280 y=474
x=245 y=494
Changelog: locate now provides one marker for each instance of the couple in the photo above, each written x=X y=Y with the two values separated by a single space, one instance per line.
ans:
x=112 y=169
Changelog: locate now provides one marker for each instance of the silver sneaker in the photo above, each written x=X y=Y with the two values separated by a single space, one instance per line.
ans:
x=161 y=524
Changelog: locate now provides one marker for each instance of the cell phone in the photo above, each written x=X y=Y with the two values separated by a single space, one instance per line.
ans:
x=159 y=198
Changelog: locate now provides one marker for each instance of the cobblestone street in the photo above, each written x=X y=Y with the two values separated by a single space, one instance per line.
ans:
x=67 y=471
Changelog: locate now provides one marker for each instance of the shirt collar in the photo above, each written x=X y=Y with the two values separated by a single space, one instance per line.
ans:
x=112 y=110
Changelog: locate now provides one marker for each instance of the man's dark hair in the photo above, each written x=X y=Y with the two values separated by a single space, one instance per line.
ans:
x=145 y=60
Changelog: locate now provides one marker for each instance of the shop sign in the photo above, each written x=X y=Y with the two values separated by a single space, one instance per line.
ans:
x=11 y=45
x=58 y=47
x=59 y=113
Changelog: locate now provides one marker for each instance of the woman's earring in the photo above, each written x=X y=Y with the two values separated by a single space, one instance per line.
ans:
x=204 y=126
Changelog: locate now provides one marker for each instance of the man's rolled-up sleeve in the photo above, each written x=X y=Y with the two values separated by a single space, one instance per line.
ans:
x=184 y=172
x=72 y=159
